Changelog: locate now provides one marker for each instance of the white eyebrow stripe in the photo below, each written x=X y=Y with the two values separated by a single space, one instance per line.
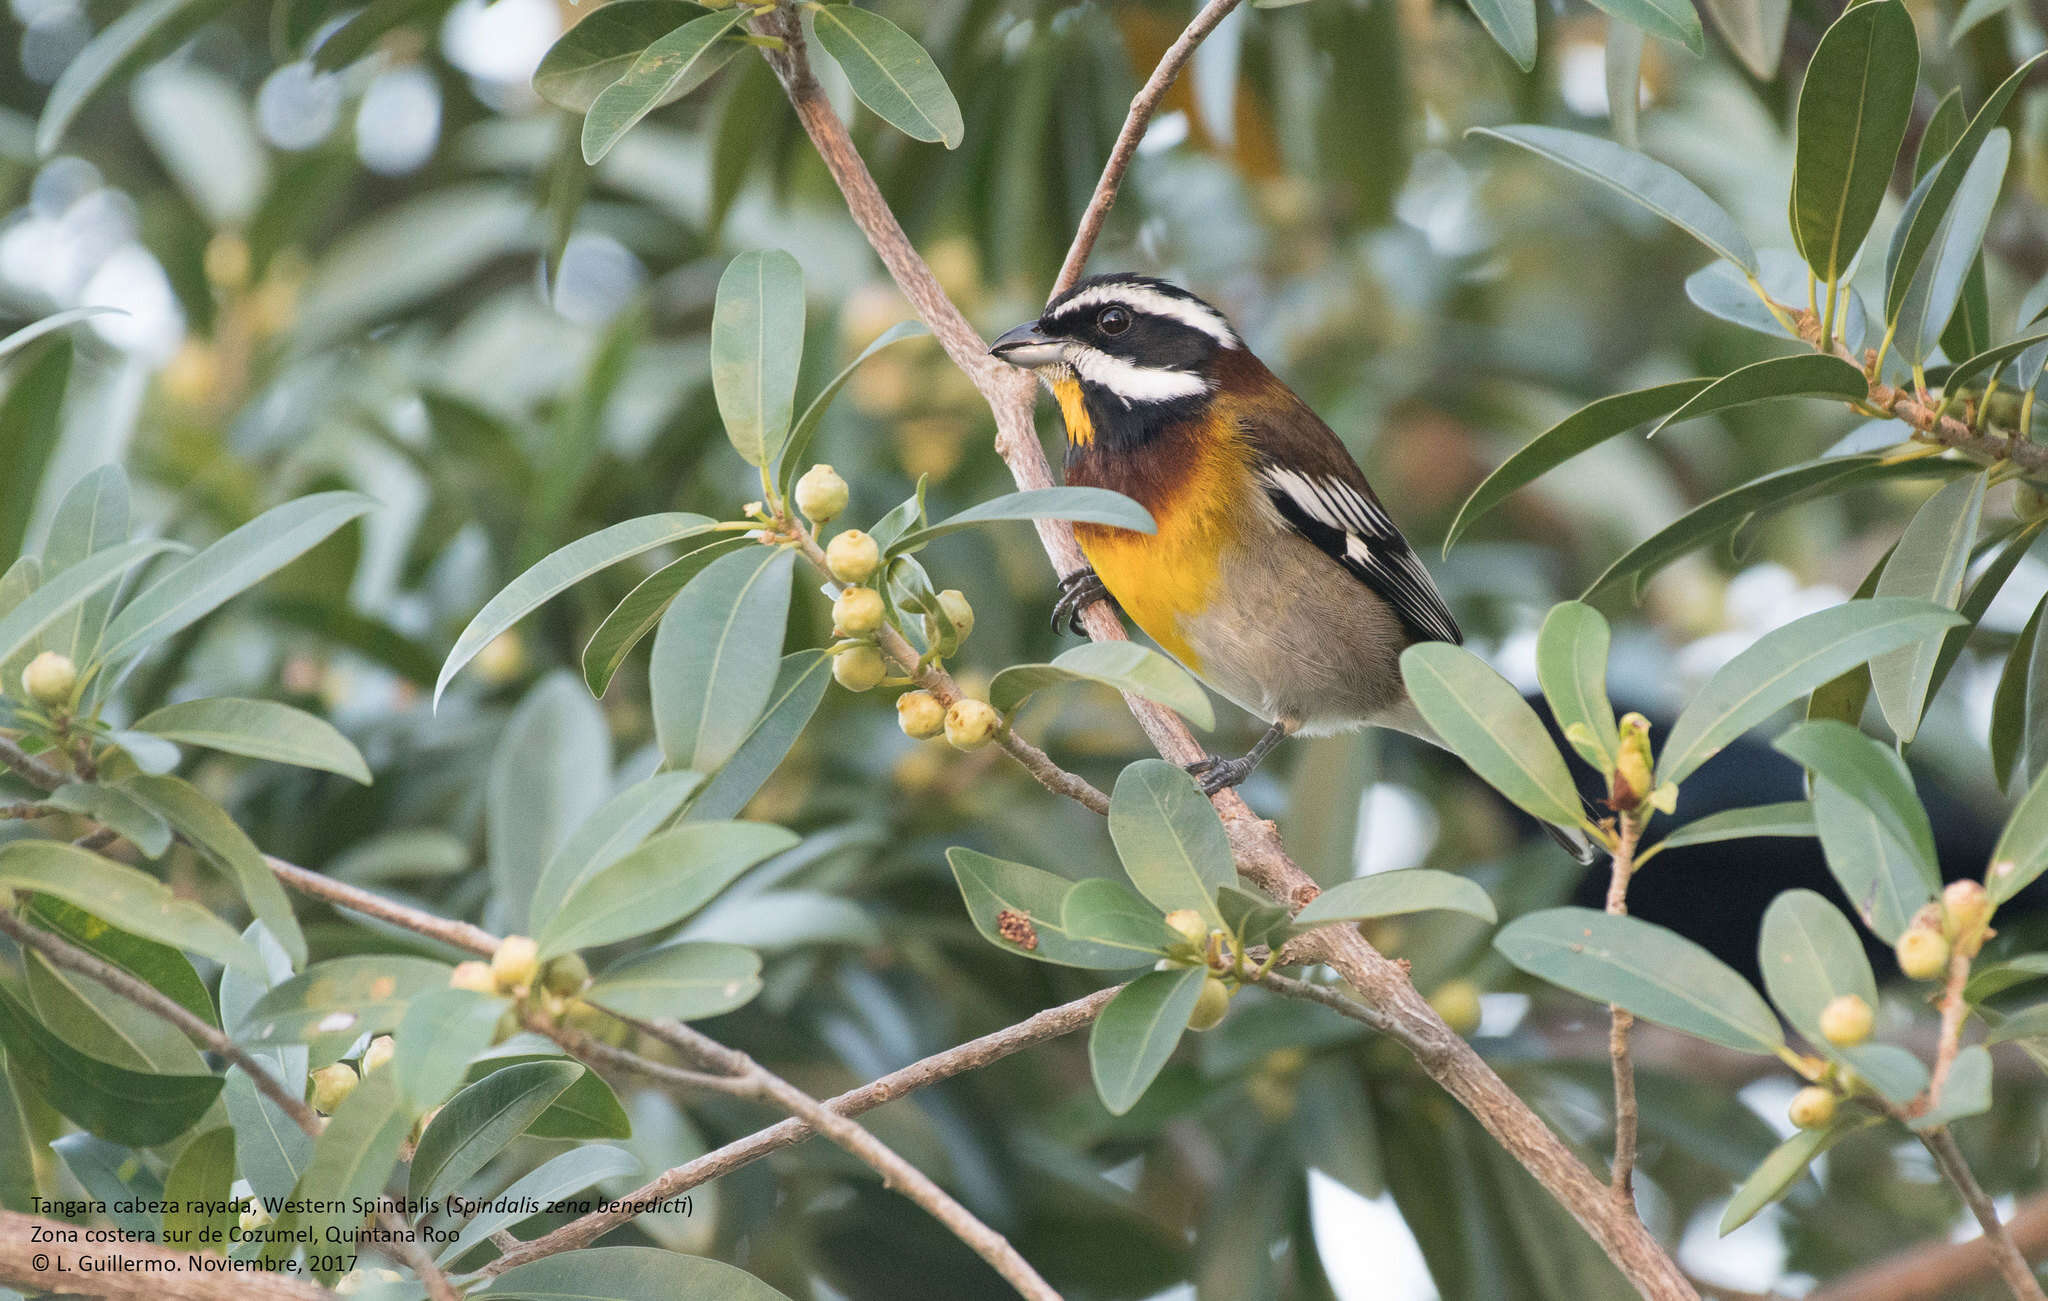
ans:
x=1144 y=298
x=1129 y=382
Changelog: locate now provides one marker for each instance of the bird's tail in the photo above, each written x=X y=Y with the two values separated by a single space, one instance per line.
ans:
x=1404 y=717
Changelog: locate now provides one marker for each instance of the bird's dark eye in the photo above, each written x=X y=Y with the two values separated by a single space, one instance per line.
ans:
x=1113 y=320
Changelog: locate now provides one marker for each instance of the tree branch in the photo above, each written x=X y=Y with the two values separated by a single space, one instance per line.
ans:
x=2012 y=1266
x=1622 y=1172
x=1382 y=984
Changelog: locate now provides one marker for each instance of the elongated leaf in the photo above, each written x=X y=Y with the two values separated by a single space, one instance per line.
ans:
x=214 y=834
x=684 y=981
x=545 y=1185
x=1124 y=665
x=651 y=80
x=799 y=689
x=551 y=772
x=891 y=73
x=44 y=609
x=34 y=330
x=1138 y=1031
x=1792 y=819
x=1801 y=375
x=1984 y=589
x=1972 y=13
x=140 y=34
x=136 y=1108
x=717 y=653
x=1942 y=275
x=1990 y=360
x=1754 y=30
x=1810 y=955
x=636 y=616
x=331 y=1004
x=104 y=1025
x=1170 y=838
x=629 y=1274
x=235 y=563
x=116 y=809
x=1785 y=664
x=2022 y=851
x=92 y=517
x=1658 y=975
x=800 y=437
x=757 y=332
x=1784 y=1165
x=560 y=571
x=32 y=413
x=1584 y=429
x=18 y=1186
x=616 y=829
x=588 y=1110
x=1641 y=180
x=660 y=883
x=436 y=1038
x=1623 y=65
x=605 y=43
x=1671 y=19
x=1853 y=108
x=123 y=897
x=2014 y=715
x=1020 y=909
x=1879 y=873
x=1387 y=894
x=479 y=1122
x=1571 y=665
x=352 y=1160
x=118 y=1176
x=1918 y=230
x=1080 y=505
x=1484 y=721
x=160 y=966
x=197 y=1185
x=1874 y=776
x=260 y=729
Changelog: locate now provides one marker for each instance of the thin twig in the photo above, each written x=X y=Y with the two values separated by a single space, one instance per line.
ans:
x=1621 y=1177
x=1143 y=105
x=2012 y=1266
x=1954 y=1010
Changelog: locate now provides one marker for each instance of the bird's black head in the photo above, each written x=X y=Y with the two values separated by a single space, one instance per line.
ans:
x=1128 y=341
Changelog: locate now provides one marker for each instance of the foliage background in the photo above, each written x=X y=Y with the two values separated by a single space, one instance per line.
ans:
x=358 y=279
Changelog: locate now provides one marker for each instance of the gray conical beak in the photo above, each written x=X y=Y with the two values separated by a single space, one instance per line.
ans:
x=1026 y=346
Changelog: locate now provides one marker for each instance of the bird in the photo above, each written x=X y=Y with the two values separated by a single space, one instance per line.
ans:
x=1276 y=574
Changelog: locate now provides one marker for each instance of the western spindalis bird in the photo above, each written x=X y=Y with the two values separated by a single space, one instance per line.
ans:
x=1276 y=574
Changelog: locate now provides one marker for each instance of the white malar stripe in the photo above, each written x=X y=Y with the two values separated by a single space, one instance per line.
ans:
x=1130 y=382
x=1144 y=298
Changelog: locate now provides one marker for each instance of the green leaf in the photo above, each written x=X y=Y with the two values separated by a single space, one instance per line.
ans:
x=479 y=1122
x=352 y=1160
x=717 y=653
x=1170 y=838
x=45 y=608
x=629 y=1274
x=101 y=1024
x=1078 y=505
x=32 y=413
x=1972 y=13
x=1254 y=918
x=800 y=438
x=1512 y=24
x=331 y=1004
x=116 y=809
x=1810 y=955
x=1641 y=180
x=122 y=897
x=617 y=828
x=1966 y=1092
x=606 y=42
x=270 y=1149
x=1386 y=894
x=589 y=1109
x=201 y=1178
x=2014 y=714
x=1801 y=375
x=1918 y=229
x=136 y=37
x=685 y=981
x=1989 y=361
x=118 y=1176
x=757 y=336
x=891 y=73
x=2022 y=851
x=1123 y=665
x=214 y=834
x=440 y=1033
x=799 y=689
x=636 y=616
x=92 y=517
x=1657 y=975
x=1101 y=911
x=1622 y=62
x=1853 y=109
x=1984 y=589
x=1582 y=430
x=651 y=80
x=1138 y=1031
x=160 y=966
x=235 y=563
x=260 y=729
x=559 y=571
x=1784 y=1165
x=992 y=888
x=545 y=1185
x=1484 y=721
x=1571 y=665
x=1874 y=776
x=1880 y=874
x=1674 y=20
x=660 y=883
x=1792 y=819
x=551 y=772
x=18 y=1187
x=1940 y=278
x=136 y=1108
x=1785 y=664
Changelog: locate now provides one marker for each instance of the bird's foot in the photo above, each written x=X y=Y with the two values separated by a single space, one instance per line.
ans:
x=1078 y=591
x=1216 y=773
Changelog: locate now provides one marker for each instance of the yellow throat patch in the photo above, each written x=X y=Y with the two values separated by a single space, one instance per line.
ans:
x=1073 y=411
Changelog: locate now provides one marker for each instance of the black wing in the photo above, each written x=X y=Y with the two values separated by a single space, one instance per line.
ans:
x=1355 y=530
